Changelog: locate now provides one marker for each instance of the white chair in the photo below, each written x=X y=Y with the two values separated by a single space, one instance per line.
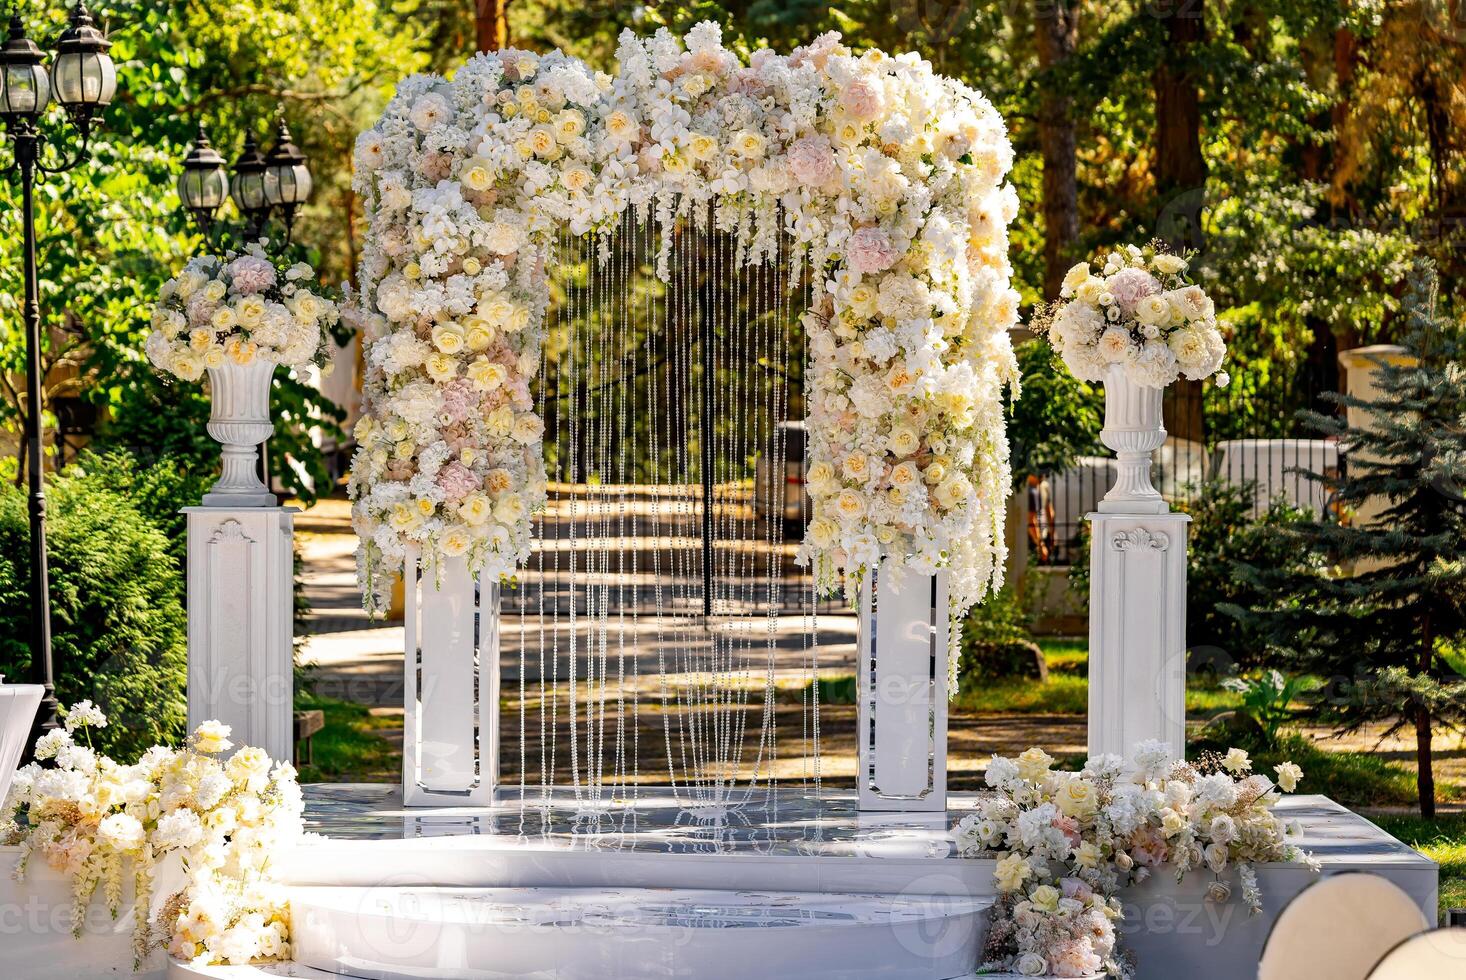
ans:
x=1338 y=928
x=1437 y=955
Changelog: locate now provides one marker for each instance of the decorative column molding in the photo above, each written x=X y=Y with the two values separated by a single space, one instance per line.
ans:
x=1137 y=631
x=241 y=623
x=450 y=751
x=901 y=734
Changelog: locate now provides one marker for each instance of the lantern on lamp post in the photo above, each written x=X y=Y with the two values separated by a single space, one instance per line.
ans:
x=287 y=178
x=203 y=185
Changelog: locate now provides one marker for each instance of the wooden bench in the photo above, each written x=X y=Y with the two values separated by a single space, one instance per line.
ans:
x=307 y=723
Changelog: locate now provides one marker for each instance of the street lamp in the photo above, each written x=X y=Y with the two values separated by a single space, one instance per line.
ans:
x=84 y=82
x=287 y=179
x=203 y=185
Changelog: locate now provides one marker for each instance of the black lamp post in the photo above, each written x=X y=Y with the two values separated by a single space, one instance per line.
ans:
x=203 y=185
x=83 y=80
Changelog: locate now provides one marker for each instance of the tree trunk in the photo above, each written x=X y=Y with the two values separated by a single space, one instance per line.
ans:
x=1425 y=779
x=1424 y=752
x=1056 y=27
x=1180 y=170
x=492 y=18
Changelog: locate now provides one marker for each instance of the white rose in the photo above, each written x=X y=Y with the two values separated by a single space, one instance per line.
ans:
x=1154 y=310
x=820 y=533
x=1031 y=965
x=1074 y=278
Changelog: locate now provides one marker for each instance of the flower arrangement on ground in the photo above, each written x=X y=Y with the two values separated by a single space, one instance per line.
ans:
x=195 y=830
x=239 y=307
x=1138 y=311
x=889 y=180
x=1067 y=842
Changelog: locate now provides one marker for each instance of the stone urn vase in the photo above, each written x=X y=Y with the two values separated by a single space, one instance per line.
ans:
x=18 y=704
x=240 y=421
x=1134 y=431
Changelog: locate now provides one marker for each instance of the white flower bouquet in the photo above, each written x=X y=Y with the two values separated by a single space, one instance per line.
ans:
x=239 y=307
x=194 y=830
x=1139 y=311
x=1067 y=842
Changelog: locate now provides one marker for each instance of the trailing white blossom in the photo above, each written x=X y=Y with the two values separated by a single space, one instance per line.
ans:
x=1065 y=844
x=888 y=178
x=196 y=829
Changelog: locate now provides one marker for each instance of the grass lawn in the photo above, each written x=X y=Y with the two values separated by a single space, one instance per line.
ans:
x=1443 y=840
x=1067 y=689
x=349 y=749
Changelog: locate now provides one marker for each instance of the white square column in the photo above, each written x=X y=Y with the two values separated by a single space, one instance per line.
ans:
x=450 y=747
x=1137 y=631
x=901 y=732
x=241 y=613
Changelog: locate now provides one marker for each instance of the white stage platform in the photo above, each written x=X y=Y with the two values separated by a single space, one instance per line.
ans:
x=522 y=889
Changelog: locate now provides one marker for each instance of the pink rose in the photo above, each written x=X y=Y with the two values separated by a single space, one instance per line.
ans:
x=1130 y=286
x=1069 y=827
x=436 y=165
x=862 y=99
x=1075 y=958
x=1148 y=847
x=871 y=251
x=811 y=160
x=1076 y=888
x=459 y=400
x=457 y=481
x=251 y=274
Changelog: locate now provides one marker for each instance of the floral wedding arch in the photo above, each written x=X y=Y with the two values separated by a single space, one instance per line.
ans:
x=889 y=180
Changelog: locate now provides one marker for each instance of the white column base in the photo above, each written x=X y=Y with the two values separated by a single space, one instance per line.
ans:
x=901 y=734
x=450 y=751
x=1137 y=631
x=241 y=624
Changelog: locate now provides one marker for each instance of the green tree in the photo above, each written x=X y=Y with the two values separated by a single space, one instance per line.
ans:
x=111 y=232
x=1379 y=619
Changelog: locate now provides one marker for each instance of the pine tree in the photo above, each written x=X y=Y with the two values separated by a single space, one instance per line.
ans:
x=1394 y=593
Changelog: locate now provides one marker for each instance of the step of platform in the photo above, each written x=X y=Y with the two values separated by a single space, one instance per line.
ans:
x=415 y=933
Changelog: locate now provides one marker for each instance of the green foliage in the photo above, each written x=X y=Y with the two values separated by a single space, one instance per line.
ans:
x=1222 y=533
x=1055 y=420
x=1267 y=699
x=158 y=490
x=351 y=747
x=119 y=634
x=997 y=642
x=110 y=232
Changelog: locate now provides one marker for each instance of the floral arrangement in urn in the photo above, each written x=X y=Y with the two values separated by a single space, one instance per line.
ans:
x=1067 y=842
x=237 y=308
x=1135 y=308
x=194 y=830
x=887 y=181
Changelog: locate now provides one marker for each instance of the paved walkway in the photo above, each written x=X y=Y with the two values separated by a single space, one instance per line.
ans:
x=360 y=659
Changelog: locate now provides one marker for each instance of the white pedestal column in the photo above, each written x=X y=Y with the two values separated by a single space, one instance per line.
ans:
x=901 y=735
x=1137 y=631
x=450 y=752
x=240 y=623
